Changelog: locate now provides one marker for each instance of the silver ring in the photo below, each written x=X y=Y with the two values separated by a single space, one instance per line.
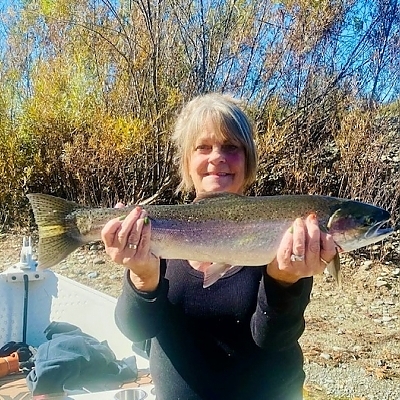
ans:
x=325 y=262
x=295 y=257
x=132 y=246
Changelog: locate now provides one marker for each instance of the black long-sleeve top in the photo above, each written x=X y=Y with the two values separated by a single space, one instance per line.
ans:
x=236 y=339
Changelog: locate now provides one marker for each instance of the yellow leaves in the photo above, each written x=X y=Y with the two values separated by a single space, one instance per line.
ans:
x=129 y=132
x=46 y=6
x=63 y=92
x=55 y=8
x=315 y=5
x=174 y=97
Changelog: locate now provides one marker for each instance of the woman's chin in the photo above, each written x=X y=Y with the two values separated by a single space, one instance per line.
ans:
x=220 y=188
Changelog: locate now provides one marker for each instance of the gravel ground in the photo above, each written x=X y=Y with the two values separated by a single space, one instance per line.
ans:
x=350 y=383
x=352 y=340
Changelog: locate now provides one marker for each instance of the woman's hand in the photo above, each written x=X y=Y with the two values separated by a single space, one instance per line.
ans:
x=127 y=242
x=303 y=252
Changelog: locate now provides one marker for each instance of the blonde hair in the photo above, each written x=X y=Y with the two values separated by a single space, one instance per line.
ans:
x=228 y=117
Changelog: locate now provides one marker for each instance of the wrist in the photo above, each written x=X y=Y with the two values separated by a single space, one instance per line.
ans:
x=280 y=276
x=145 y=283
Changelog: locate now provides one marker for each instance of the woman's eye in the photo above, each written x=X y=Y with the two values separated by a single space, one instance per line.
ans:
x=203 y=147
x=225 y=148
x=230 y=148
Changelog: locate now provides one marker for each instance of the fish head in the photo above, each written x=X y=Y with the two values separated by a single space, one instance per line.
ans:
x=354 y=225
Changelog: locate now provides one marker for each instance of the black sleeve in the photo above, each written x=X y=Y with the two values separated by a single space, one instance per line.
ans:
x=140 y=315
x=278 y=321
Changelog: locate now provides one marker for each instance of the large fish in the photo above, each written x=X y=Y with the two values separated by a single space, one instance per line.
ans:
x=225 y=229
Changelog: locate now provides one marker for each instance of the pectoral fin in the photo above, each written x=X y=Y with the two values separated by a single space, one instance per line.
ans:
x=334 y=269
x=214 y=272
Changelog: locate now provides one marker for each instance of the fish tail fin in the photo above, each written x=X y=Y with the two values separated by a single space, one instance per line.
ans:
x=334 y=269
x=58 y=235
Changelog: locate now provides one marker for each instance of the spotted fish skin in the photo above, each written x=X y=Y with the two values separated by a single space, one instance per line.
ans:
x=222 y=228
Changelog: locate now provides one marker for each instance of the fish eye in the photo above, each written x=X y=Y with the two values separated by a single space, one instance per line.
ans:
x=369 y=220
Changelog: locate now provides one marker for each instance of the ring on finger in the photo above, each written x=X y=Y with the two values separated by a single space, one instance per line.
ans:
x=132 y=246
x=295 y=257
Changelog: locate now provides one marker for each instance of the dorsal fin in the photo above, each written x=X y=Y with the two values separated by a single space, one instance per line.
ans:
x=215 y=196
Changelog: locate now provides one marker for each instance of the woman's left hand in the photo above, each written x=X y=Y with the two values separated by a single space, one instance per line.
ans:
x=303 y=252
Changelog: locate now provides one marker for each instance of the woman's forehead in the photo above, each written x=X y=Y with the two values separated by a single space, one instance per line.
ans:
x=211 y=131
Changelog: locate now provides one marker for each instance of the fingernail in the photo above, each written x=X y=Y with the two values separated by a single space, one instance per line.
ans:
x=291 y=229
x=146 y=220
x=122 y=217
x=313 y=216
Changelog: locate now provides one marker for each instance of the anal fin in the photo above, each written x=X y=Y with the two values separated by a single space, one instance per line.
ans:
x=214 y=272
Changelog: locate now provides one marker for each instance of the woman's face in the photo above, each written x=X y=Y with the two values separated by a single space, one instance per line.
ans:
x=215 y=165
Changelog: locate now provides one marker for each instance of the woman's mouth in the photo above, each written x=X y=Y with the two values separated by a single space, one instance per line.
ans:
x=218 y=174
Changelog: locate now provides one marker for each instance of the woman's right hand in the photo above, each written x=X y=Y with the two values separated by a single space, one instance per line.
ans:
x=127 y=242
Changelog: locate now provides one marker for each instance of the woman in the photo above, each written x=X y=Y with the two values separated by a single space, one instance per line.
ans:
x=238 y=338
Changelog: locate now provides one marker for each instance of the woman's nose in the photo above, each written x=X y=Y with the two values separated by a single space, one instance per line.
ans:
x=217 y=155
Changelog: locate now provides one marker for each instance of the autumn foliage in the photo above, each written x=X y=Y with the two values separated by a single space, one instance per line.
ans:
x=89 y=92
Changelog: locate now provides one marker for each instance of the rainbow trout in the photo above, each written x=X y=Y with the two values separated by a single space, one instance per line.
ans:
x=222 y=228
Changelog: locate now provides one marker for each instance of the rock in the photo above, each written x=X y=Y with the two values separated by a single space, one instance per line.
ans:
x=92 y=275
x=98 y=260
x=338 y=349
x=81 y=257
x=325 y=356
x=381 y=283
x=389 y=302
x=366 y=265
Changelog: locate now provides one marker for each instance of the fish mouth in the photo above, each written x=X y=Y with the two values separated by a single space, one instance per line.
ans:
x=381 y=228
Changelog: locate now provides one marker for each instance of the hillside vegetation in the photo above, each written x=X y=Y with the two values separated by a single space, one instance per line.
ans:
x=89 y=92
